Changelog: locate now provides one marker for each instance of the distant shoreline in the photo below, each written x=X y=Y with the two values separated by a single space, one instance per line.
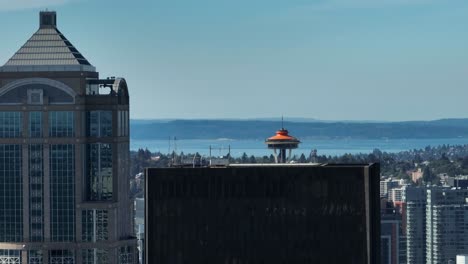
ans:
x=259 y=130
x=323 y=146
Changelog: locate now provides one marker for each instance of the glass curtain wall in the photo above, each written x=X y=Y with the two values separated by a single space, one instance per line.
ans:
x=11 y=194
x=62 y=192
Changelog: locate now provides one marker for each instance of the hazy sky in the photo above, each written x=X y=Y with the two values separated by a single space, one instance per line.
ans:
x=325 y=59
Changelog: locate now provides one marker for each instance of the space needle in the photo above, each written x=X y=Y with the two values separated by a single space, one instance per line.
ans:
x=281 y=142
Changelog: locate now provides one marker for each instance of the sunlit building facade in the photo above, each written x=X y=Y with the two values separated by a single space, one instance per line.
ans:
x=64 y=154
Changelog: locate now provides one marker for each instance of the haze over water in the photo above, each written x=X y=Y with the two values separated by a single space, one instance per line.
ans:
x=324 y=146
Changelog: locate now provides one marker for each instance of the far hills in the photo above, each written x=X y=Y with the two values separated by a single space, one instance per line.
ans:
x=261 y=129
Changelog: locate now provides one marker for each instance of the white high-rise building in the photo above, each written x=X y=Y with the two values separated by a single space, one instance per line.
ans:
x=436 y=226
x=446 y=228
x=396 y=194
x=462 y=259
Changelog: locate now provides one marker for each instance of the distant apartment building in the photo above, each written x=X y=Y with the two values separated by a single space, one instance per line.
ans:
x=386 y=185
x=446 y=224
x=64 y=157
x=462 y=259
x=436 y=226
x=263 y=213
x=458 y=181
x=392 y=238
x=415 y=208
x=396 y=195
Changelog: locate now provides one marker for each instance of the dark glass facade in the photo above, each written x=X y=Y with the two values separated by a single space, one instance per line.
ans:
x=61 y=124
x=99 y=172
x=95 y=225
x=62 y=256
x=99 y=123
x=62 y=192
x=35 y=124
x=127 y=255
x=11 y=194
x=263 y=214
x=94 y=255
x=10 y=124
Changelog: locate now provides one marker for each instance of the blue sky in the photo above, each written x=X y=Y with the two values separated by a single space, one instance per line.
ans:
x=324 y=59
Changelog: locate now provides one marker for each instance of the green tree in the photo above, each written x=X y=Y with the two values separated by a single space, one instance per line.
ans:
x=244 y=158
x=428 y=176
x=302 y=158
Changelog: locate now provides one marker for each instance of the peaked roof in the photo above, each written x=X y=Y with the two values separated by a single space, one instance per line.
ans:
x=48 y=50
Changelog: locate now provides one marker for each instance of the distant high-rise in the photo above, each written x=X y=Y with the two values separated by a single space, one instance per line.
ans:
x=415 y=204
x=64 y=156
x=462 y=259
x=436 y=224
x=386 y=186
x=267 y=213
x=391 y=237
x=446 y=224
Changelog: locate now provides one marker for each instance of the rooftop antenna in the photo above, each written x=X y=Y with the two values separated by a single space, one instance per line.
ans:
x=282 y=123
x=169 y=149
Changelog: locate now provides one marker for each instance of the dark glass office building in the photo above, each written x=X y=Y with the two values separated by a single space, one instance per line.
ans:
x=64 y=154
x=249 y=214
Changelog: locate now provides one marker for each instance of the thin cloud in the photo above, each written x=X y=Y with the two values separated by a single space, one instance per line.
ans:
x=9 y=5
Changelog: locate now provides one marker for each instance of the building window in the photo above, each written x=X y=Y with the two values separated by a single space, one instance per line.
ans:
x=35 y=257
x=36 y=193
x=10 y=256
x=99 y=123
x=35 y=124
x=35 y=96
x=61 y=124
x=126 y=255
x=10 y=124
x=11 y=194
x=99 y=172
x=94 y=255
x=123 y=123
x=94 y=225
x=61 y=257
x=62 y=192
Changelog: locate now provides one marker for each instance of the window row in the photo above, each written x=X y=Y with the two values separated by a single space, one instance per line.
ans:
x=89 y=256
x=62 y=124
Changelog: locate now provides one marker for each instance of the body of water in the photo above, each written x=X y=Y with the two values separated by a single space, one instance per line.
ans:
x=258 y=148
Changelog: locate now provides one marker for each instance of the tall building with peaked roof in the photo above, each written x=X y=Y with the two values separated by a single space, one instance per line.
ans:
x=64 y=156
